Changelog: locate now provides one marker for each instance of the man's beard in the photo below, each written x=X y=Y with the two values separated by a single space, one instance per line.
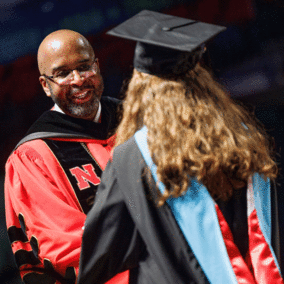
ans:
x=86 y=110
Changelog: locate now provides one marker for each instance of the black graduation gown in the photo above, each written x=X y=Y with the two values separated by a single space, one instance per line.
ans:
x=115 y=238
x=126 y=230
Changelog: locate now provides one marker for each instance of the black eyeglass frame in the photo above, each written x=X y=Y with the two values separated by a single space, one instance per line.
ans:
x=52 y=76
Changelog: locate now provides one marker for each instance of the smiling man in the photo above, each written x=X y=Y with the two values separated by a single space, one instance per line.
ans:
x=54 y=171
x=70 y=73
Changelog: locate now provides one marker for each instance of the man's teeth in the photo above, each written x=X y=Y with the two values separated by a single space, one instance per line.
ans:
x=81 y=95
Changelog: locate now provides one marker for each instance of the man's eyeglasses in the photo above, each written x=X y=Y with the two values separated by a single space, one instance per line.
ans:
x=65 y=77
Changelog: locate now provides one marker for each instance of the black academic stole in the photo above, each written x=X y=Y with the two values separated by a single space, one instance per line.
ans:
x=80 y=167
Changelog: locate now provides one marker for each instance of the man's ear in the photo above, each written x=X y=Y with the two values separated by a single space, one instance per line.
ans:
x=44 y=85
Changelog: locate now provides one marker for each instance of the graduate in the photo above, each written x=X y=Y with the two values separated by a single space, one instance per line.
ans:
x=189 y=194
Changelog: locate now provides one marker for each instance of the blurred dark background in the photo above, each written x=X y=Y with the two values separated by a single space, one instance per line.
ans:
x=248 y=58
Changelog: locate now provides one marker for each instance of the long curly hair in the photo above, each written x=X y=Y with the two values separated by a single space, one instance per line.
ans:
x=195 y=130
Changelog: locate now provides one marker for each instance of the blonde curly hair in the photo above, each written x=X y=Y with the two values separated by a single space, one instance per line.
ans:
x=195 y=130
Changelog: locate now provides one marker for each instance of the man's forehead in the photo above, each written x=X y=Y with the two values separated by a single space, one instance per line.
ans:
x=57 y=44
x=63 y=46
x=68 y=63
x=66 y=57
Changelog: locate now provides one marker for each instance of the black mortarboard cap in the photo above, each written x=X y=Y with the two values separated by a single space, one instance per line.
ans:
x=162 y=40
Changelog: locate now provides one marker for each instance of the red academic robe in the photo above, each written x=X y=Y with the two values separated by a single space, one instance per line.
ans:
x=47 y=186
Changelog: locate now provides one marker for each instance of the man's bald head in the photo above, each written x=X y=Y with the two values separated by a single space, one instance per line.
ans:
x=60 y=43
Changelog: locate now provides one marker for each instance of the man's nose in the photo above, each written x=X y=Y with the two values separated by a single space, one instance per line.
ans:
x=77 y=79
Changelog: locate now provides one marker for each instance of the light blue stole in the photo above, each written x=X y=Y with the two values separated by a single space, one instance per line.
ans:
x=196 y=216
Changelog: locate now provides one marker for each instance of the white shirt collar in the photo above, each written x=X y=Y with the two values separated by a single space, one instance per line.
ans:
x=96 y=119
x=98 y=115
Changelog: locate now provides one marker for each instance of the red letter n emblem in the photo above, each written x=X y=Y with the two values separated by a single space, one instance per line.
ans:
x=85 y=176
